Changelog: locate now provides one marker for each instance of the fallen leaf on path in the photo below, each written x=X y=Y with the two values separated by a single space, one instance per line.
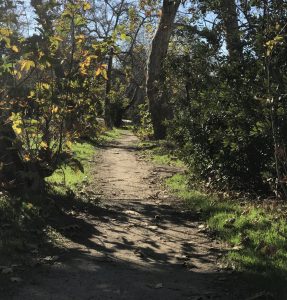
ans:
x=152 y=227
x=72 y=213
x=181 y=257
x=131 y=212
x=261 y=296
x=50 y=259
x=16 y=279
x=7 y=271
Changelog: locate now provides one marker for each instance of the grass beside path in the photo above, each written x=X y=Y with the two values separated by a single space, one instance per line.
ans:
x=110 y=135
x=256 y=233
x=68 y=179
x=24 y=219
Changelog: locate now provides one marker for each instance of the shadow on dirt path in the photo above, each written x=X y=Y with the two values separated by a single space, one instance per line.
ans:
x=137 y=242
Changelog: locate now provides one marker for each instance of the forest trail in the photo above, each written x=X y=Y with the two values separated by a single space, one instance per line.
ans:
x=139 y=243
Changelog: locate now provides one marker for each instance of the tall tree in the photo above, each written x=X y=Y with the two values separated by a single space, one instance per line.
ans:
x=107 y=16
x=10 y=162
x=230 y=20
x=157 y=101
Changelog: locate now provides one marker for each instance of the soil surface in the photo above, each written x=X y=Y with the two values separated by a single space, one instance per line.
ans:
x=138 y=243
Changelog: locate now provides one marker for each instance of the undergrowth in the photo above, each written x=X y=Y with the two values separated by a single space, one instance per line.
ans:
x=25 y=218
x=66 y=178
x=255 y=232
x=256 y=235
x=110 y=135
x=161 y=153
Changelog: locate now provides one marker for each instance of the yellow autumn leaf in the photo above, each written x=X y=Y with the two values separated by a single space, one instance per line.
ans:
x=124 y=37
x=16 y=126
x=45 y=86
x=55 y=42
x=26 y=65
x=278 y=26
x=5 y=32
x=104 y=73
x=279 y=38
x=69 y=144
x=14 y=72
x=31 y=95
x=98 y=72
x=26 y=157
x=56 y=38
x=80 y=38
x=17 y=129
x=55 y=109
x=86 y=6
x=43 y=145
x=16 y=123
x=15 y=49
x=41 y=54
x=83 y=71
x=93 y=56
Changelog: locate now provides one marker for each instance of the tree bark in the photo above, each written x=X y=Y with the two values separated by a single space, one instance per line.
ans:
x=10 y=162
x=108 y=110
x=230 y=20
x=157 y=102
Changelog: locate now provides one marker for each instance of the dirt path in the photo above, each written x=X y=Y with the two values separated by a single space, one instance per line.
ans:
x=137 y=244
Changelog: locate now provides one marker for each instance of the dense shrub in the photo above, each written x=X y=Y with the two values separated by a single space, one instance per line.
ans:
x=229 y=116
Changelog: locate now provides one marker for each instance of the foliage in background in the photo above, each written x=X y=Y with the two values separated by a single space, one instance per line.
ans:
x=144 y=129
x=48 y=95
x=230 y=116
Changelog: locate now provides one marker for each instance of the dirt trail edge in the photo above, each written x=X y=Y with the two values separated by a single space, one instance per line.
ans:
x=137 y=244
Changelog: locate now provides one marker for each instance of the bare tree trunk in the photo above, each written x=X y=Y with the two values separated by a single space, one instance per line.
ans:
x=108 y=110
x=157 y=102
x=10 y=162
x=230 y=20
